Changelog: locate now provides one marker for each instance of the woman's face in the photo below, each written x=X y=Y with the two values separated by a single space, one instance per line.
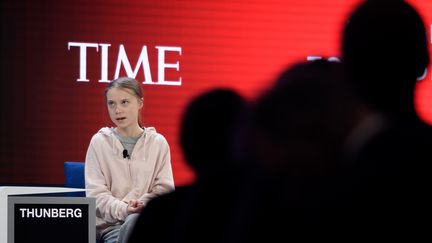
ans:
x=123 y=107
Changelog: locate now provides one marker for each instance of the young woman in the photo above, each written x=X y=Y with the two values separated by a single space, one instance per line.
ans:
x=126 y=165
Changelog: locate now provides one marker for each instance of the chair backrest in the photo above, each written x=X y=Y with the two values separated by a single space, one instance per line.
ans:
x=74 y=176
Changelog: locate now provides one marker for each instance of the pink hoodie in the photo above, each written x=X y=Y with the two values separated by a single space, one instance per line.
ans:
x=114 y=180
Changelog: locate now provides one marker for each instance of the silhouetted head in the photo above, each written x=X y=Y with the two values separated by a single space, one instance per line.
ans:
x=300 y=124
x=384 y=50
x=208 y=130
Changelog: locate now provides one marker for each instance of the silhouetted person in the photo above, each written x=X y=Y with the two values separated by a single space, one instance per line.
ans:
x=201 y=212
x=384 y=50
x=308 y=104
x=297 y=132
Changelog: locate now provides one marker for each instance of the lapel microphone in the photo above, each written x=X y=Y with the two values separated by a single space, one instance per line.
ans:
x=126 y=154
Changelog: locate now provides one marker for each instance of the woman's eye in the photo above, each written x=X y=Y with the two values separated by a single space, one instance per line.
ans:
x=124 y=102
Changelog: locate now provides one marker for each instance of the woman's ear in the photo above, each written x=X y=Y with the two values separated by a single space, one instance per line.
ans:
x=141 y=101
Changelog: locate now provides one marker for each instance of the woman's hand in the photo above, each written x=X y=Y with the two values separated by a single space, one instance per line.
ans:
x=134 y=206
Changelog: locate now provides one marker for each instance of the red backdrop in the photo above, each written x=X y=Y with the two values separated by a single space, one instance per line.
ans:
x=48 y=117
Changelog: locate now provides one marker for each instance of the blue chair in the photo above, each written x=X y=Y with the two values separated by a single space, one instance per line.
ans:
x=74 y=177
